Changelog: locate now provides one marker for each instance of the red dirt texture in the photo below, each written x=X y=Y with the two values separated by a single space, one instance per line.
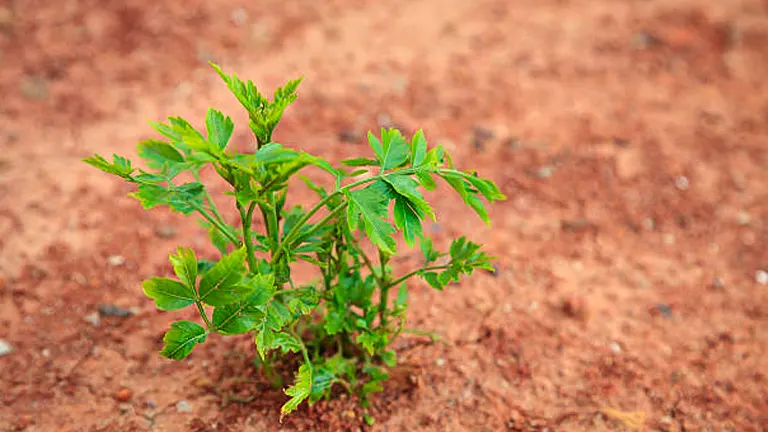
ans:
x=631 y=138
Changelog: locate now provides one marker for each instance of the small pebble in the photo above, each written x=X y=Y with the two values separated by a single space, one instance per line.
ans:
x=110 y=310
x=440 y=361
x=649 y=224
x=183 y=406
x=165 y=231
x=93 y=319
x=239 y=16
x=480 y=136
x=614 y=347
x=351 y=136
x=761 y=277
x=743 y=218
x=5 y=348
x=718 y=283
x=545 y=172
x=46 y=352
x=124 y=395
x=115 y=260
x=669 y=239
x=682 y=183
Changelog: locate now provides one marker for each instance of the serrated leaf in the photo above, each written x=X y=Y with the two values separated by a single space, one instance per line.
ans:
x=245 y=315
x=322 y=381
x=418 y=149
x=334 y=322
x=407 y=187
x=120 y=166
x=286 y=343
x=407 y=220
x=220 y=285
x=369 y=341
x=158 y=154
x=219 y=128
x=428 y=249
x=185 y=266
x=168 y=294
x=372 y=206
x=264 y=339
x=394 y=149
x=181 y=339
x=300 y=390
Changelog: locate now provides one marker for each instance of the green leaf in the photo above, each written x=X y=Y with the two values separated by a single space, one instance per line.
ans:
x=372 y=205
x=183 y=135
x=428 y=249
x=159 y=154
x=358 y=162
x=486 y=187
x=370 y=341
x=264 y=339
x=219 y=128
x=181 y=339
x=426 y=180
x=418 y=149
x=322 y=381
x=183 y=199
x=389 y=358
x=407 y=220
x=334 y=322
x=394 y=149
x=402 y=296
x=168 y=294
x=120 y=166
x=300 y=390
x=221 y=284
x=185 y=266
x=245 y=315
x=287 y=343
x=407 y=187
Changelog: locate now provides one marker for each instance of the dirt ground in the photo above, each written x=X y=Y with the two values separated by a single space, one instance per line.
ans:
x=631 y=138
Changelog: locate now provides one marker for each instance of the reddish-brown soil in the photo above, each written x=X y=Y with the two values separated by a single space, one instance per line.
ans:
x=630 y=136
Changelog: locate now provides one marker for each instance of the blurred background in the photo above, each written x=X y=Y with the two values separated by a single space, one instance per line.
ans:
x=630 y=137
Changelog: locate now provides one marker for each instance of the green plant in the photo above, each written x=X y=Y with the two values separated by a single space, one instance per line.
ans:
x=342 y=325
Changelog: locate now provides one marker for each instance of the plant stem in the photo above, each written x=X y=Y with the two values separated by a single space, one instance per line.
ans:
x=204 y=315
x=209 y=198
x=304 y=351
x=384 y=285
x=219 y=225
x=247 y=219
x=415 y=272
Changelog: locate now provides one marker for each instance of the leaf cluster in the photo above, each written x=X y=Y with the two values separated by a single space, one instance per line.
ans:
x=341 y=325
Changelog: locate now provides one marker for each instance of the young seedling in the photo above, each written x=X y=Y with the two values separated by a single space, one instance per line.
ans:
x=343 y=325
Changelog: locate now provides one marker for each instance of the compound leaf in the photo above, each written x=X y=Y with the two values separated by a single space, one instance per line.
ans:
x=372 y=206
x=168 y=294
x=185 y=266
x=300 y=390
x=219 y=128
x=181 y=339
x=220 y=285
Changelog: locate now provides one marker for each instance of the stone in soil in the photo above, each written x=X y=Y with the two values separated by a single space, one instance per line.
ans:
x=110 y=310
x=93 y=319
x=5 y=348
x=183 y=406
